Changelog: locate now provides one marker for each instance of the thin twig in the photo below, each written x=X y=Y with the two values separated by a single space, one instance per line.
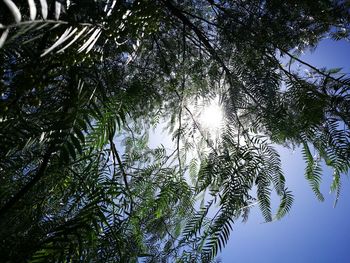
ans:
x=121 y=167
x=24 y=190
x=178 y=13
x=312 y=67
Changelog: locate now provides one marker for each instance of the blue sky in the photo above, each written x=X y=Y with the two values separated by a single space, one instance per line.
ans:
x=314 y=231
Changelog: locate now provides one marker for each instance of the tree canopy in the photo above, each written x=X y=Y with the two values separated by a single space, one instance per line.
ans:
x=83 y=83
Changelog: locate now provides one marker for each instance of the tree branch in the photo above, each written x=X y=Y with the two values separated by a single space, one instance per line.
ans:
x=312 y=67
x=24 y=190
x=178 y=13
x=121 y=167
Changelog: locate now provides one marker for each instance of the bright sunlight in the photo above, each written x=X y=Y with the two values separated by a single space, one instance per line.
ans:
x=211 y=116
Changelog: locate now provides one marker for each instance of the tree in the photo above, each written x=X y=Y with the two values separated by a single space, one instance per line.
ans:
x=77 y=76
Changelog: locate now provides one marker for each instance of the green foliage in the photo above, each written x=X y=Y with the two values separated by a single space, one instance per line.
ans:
x=83 y=82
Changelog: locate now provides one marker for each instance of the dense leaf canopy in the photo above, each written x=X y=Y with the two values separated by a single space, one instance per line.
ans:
x=82 y=84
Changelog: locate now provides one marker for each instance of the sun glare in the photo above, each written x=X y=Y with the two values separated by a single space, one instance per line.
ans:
x=211 y=116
